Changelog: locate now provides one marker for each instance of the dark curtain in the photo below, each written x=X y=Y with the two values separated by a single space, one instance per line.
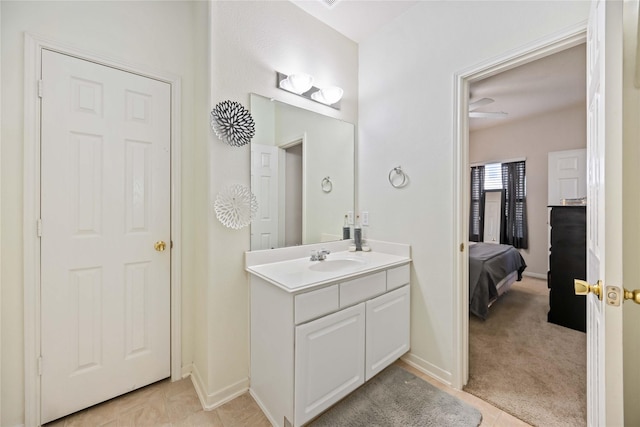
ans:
x=477 y=204
x=515 y=222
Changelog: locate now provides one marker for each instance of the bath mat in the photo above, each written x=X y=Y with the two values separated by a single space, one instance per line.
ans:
x=396 y=397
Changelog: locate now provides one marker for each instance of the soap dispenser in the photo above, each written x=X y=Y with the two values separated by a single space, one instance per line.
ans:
x=357 y=234
x=346 y=230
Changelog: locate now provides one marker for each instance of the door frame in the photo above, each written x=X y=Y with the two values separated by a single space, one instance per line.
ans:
x=282 y=197
x=34 y=45
x=549 y=45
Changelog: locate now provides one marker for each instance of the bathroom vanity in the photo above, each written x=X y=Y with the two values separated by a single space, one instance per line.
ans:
x=320 y=329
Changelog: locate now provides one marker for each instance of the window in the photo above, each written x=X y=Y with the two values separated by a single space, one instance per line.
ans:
x=493 y=176
x=511 y=178
x=476 y=206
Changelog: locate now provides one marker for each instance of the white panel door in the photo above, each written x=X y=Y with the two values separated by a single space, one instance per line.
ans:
x=264 y=184
x=567 y=175
x=387 y=334
x=329 y=361
x=604 y=213
x=105 y=201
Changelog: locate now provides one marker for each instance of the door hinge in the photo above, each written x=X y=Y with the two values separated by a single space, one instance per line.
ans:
x=39 y=88
x=39 y=366
x=461 y=247
x=39 y=227
x=171 y=244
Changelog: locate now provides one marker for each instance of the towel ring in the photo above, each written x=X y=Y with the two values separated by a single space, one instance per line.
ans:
x=326 y=184
x=403 y=177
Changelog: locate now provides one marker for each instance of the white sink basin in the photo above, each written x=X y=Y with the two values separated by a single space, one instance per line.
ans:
x=301 y=273
x=337 y=265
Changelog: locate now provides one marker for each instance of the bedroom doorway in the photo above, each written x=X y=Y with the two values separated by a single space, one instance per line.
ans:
x=465 y=96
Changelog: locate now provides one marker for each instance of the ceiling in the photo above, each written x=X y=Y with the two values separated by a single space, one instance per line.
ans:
x=551 y=83
x=356 y=19
x=547 y=84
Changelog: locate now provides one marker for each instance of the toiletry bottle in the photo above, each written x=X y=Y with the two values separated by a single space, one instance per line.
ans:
x=346 y=230
x=364 y=238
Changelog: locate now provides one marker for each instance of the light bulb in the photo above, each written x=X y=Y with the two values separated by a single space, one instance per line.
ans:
x=329 y=95
x=297 y=83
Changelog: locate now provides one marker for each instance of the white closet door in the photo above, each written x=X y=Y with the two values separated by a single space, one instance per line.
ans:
x=567 y=175
x=105 y=200
x=264 y=184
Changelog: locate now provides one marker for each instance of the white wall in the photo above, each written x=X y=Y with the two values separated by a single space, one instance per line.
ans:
x=533 y=138
x=164 y=36
x=406 y=118
x=250 y=41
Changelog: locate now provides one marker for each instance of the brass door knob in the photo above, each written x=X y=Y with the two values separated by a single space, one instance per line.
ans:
x=583 y=288
x=160 y=246
x=632 y=295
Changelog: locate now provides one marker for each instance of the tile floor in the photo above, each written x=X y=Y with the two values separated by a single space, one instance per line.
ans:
x=176 y=404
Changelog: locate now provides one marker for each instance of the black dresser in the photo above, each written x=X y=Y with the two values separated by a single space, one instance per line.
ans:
x=567 y=261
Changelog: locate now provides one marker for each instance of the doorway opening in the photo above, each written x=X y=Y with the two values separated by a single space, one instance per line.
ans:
x=293 y=155
x=464 y=81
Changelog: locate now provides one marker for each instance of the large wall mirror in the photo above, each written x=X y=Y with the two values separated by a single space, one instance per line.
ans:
x=302 y=174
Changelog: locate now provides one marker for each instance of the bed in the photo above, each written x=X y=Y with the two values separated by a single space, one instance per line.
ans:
x=493 y=268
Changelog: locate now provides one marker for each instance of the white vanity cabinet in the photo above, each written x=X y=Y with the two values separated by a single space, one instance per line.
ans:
x=310 y=349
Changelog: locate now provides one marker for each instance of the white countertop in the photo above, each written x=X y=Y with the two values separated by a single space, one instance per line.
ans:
x=298 y=274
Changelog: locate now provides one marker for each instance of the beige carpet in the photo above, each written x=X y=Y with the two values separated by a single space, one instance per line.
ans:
x=524 y=365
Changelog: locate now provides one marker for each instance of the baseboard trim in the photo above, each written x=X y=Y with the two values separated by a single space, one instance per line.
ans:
x=428 y=368
x=263 y=407
x=535 y=275
x=213 y=400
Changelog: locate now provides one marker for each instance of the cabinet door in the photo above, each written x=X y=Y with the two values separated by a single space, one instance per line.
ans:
x=329 y=361
x=387 y=329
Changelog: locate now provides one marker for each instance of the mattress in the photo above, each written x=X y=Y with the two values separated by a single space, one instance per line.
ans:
x=489 y=265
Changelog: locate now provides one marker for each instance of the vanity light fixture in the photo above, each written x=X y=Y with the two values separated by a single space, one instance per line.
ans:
x=302 y=85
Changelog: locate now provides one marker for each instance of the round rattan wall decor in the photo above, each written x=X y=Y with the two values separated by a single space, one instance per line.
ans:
x=232 y=123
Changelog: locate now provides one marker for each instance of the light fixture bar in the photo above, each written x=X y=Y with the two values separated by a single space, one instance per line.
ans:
x=307 y=95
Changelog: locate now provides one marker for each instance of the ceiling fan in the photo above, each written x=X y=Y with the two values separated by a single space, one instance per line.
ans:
x=484 y=114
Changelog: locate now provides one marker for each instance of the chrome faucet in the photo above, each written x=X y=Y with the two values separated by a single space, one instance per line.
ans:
x=320 y=255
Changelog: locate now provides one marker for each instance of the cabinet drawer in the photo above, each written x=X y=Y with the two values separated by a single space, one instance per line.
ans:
x=357 y=290
x=397 y=277
x=315 y=303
